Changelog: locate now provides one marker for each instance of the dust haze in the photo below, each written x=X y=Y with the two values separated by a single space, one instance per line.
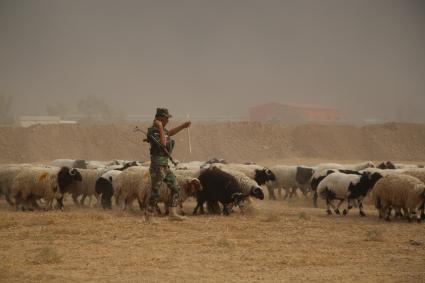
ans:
x=214 y=58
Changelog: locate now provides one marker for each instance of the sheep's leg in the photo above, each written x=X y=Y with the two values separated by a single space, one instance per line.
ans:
x=328 y=205
x=90 y=198
x=361 y=211
x=279 y=192
x=349 y=206
x=158 y=210
x=387 y=212
x=418 y=214
x=75 y=199
x=271 y=192
x=337 y=207
x=304 y=190
x=397 y=212
x=422 y=211
x=83 y=199
x=315 y=197
x=286 y=193
x=293 y=192
x=181 y=209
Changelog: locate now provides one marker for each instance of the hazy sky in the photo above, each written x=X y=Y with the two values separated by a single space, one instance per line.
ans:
x=216 y=57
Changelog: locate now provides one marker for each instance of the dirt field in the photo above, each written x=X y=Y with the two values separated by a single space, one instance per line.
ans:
x=282 y=241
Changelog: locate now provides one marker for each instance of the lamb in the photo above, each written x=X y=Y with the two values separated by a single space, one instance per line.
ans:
x=48 y=183
x=290 y=177
x=227 y=187
x=346 y=187
x=399 y=191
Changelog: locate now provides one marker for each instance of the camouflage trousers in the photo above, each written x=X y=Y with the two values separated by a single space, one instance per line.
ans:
x=163 y=174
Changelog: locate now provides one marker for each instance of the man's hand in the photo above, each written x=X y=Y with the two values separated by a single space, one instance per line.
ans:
x=187 y=124
x=177 y=129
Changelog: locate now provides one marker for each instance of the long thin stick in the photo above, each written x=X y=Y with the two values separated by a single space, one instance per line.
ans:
x=188 y=136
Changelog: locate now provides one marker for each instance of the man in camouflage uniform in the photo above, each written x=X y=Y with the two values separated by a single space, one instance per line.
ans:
x=159 y=169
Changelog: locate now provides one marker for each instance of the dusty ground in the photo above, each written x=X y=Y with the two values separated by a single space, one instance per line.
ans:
x=282 y=241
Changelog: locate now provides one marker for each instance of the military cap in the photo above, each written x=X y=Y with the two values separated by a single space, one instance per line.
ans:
x=162 y=112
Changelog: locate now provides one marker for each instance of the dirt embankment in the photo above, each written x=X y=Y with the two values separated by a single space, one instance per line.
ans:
x=237 y=142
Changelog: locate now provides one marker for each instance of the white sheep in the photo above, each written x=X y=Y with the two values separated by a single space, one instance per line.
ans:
x=355 y=167
x=348 y=187
x=127 y=185
x=34 y=183
x=289 y=178
x=399 y=191
x=7 y=174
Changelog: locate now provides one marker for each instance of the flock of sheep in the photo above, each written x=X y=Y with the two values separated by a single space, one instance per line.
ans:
x=219 y=185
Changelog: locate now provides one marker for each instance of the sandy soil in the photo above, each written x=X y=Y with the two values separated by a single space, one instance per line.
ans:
x=235 y=142
x=282 y=241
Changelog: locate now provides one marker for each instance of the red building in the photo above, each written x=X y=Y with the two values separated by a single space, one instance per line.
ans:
x=293 y=113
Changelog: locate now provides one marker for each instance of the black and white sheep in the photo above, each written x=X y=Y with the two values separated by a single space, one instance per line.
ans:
x=348 y=187
x=319 y=175
x=227 y=187
x=290 y=178
x=399 y=192
x=104 y=186
x=34 y=183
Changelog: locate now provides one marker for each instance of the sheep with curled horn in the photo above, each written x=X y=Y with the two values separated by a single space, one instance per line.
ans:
x=34 y=183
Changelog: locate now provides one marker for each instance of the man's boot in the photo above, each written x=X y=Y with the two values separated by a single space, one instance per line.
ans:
x=149 y=216
x=174 y=216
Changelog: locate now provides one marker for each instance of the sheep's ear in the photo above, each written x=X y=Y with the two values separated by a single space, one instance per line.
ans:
x=196 y=185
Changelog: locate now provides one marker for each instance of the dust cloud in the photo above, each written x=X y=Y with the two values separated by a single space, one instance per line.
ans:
x=213 y=58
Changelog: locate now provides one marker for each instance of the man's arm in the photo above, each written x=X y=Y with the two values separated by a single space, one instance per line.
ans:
x=177 y=129
x=160 y=128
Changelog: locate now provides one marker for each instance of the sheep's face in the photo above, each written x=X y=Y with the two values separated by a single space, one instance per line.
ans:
x=257 y=192
x=264 y=175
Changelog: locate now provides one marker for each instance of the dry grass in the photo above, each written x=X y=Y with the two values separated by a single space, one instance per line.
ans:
x=280 y=242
